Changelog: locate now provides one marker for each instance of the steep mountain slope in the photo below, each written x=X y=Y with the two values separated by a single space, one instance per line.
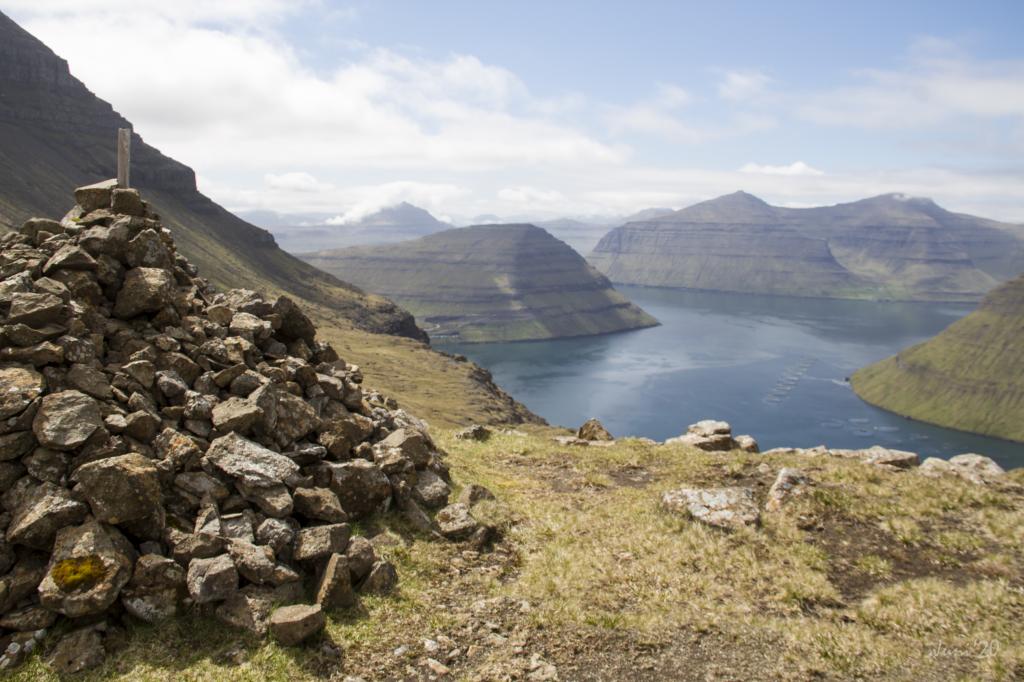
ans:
x=388 y=225
x=968 y=377
x=889 y=246
x=55 y=135
x=489 y=283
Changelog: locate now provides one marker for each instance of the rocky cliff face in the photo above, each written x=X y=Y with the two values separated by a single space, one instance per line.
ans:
x=885 y=247
x=490 y=283
x=56 y=135
x=968 y=377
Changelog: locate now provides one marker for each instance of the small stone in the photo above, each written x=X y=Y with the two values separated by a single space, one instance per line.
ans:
x=788 y=484
x=291 y=625
x=475 y=432
x=319 y=504
x=360 y=556
x=474 y=493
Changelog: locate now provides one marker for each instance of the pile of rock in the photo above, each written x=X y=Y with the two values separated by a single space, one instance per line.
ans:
x=163 y=447
x=714 y=436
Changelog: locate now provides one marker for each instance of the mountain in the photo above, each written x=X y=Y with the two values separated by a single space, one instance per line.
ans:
x=490 y=283
x=968 y=377
x=391 y=224
x=885 y=247
x=56 y=135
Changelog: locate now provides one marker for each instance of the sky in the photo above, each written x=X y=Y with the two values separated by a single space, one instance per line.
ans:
x=544 y=109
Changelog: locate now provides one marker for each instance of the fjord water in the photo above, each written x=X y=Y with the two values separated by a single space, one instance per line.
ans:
x=774 y=367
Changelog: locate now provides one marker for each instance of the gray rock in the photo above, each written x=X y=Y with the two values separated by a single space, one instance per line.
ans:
x=78 y=651
x=275 y=533
x=145 y=290
x=236 y=414
x=382 y=579
x=120 y=489
x=89 y=380
x=592 y=429
x=36 y=310
x=17 y=444
x=22 y=385
x=361 y=487
x=248 y=462
x=334 y=587
x=722 y=507
x=69 y=257
x=89 y=565
x=291 y=625
x=47 y=465
x=412 y=444
x=474 y=493
x=710 y=427
x=747 y=444
x=147 y=250
x=272 y=500
x=360 y=556
x=66 y=420
x=456 y=522
x=96 y=196
x=319 y=542
x=430 y=490
x=475 y=432
x=43 y=512
x=155 y=590
x=319 y=504
x=788 y=484
x=248 y=609
x=213 y=579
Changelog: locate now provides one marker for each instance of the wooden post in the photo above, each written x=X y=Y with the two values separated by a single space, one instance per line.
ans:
x=124 y=156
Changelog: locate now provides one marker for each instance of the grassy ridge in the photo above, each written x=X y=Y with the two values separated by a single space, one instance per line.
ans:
x=968 y=377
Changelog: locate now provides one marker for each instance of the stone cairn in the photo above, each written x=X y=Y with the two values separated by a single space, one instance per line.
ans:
x=166 y=448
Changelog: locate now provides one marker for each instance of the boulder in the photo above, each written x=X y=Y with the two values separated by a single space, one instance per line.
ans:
x=976 y=469
x=381 y=580
x=747 y=444
x=718 y=442
x=291 y=625
x=89 y=565
x=360 y=557
x=147 y=250
x=78 y=650
x=710 y=427
x=66 y=420
x=96 y=196
x=593 y=429
x=295 y=324
x=36 y=310
x=120 y=489
x=248 y=609
x=729 y=508
x=412 y=445
x=69 y=257
x=474 y=493
x=235 y=414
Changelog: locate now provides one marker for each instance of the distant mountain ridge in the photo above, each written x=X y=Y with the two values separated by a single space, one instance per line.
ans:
x=56 y=135
x=969 y=377
x=887 y=247
x=490 y=283
x=399 y=222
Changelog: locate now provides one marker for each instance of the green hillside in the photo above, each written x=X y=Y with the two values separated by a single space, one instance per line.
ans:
x=490 y=283
x=968 y=377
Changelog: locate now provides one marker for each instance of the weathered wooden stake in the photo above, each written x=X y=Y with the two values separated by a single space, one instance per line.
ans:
x=124 y=156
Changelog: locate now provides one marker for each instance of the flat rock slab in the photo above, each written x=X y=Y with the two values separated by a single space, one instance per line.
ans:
x=249 y=462
x=290 y=625
x=721 y=507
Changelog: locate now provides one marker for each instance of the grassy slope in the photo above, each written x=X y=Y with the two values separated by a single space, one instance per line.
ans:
x=968 y=377
x=496 y=283
x=873 y=575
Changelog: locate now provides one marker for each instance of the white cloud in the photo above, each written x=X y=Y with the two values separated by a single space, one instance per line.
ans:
x=657 y=115
x=937 y=83
x=795 y=168
x=179 y=11
x=296 y=182
x=530 y=195
x=366 y=200
x=743 y=85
